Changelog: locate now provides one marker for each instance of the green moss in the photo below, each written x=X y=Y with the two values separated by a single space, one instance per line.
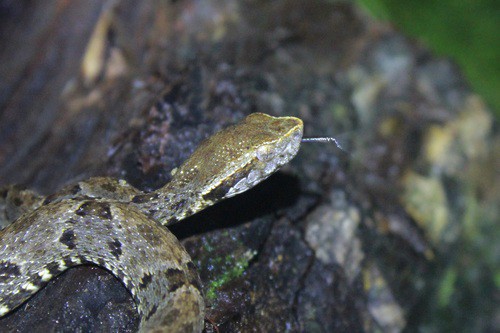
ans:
x=236 y=269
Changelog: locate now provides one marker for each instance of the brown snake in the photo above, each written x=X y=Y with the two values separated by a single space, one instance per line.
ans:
x=111 y=224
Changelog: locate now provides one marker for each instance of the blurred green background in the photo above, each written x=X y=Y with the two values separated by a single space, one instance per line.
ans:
x=463 y=286
x=468 y=31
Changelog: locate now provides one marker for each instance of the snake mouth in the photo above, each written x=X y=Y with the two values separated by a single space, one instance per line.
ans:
x=277 y=154
x=267 y=160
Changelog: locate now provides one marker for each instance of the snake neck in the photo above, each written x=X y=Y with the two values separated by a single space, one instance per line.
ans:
x=171 y=203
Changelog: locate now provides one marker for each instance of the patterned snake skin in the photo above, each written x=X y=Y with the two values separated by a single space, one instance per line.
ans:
x=111 y=224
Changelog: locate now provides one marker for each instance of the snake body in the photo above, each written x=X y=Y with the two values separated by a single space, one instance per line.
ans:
x=107 y=222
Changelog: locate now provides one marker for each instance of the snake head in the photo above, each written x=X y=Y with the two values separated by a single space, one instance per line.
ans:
x=241 y=156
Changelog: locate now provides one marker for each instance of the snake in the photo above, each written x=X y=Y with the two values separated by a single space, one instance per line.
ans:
x=107 y=222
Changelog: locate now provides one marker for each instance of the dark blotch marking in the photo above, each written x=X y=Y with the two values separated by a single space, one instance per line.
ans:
x=81 y=258
x=152 y=212
x=176 y=279
x=68 y=261
x=193 y=276
x=145 y=281
x=110 y=187
x=8 y=269
x=93 y=208
x=84 y=209
x=68 y=238
x=152 y=312
x=105 y=211
x=180 y=204
x=100 y=262
x=48 y=199
x=38 y=282
x=17 y=202
x=142 y=198
x=116 y=248
x=53 y=268
x=75 y=189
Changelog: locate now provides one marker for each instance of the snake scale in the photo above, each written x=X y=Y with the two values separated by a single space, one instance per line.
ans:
x=109 y=223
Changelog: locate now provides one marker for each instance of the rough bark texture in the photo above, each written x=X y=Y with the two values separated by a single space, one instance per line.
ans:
x=335 y=242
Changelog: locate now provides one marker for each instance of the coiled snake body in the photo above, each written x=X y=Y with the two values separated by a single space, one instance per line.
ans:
x=109 y=223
